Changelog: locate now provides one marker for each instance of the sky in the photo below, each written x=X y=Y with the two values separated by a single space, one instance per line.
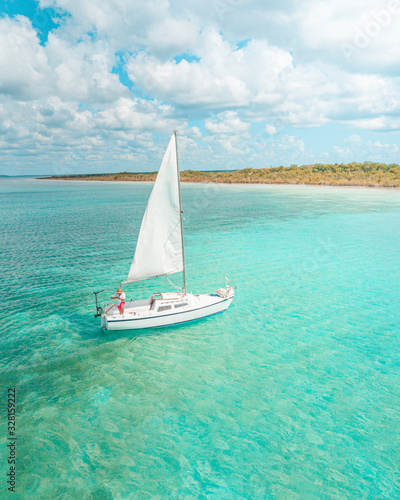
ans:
x=100 y=85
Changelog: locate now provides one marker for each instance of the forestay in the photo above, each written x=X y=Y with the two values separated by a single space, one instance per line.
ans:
x=159 y=246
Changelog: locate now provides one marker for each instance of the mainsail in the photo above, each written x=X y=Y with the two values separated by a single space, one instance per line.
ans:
x=159 y=249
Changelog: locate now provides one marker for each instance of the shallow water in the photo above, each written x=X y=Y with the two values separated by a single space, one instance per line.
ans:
x=291 y=393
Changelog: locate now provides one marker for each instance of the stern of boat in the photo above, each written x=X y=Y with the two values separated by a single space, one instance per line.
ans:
x=103 y=321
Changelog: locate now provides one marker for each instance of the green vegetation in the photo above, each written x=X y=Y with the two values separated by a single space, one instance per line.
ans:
x=352 y=174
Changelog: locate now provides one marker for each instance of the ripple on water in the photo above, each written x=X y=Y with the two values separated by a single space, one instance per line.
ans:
x=292 y=393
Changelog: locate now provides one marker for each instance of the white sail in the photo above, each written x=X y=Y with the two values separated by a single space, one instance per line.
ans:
x=159 y=249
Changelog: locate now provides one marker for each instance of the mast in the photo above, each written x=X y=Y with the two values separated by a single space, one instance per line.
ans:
x=180 y=211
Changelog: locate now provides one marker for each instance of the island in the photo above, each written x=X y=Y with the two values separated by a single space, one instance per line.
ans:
x=366 y=174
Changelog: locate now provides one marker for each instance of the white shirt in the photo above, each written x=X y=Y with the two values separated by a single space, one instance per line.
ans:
x=120 y=298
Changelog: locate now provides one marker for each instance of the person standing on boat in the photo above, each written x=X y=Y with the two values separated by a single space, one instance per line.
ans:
x=120 y=296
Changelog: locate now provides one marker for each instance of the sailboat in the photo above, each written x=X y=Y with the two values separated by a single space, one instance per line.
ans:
x=160 y=252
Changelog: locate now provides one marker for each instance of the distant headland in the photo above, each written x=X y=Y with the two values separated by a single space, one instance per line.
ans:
x=366 y=174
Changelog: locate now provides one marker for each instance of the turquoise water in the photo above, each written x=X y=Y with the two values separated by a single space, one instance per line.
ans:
x=292 y=393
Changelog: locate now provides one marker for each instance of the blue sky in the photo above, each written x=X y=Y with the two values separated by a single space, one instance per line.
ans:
x=99 y=86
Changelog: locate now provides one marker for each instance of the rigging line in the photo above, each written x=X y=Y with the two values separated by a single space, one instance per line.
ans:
x=172 y=232
x=170 y=282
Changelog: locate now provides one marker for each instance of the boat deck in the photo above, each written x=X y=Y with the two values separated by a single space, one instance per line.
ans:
x=131 y=307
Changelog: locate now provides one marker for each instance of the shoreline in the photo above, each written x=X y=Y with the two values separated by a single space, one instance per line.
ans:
x=281 y=184
x=367 y=174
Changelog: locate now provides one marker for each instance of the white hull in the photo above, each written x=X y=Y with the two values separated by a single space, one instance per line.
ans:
x=175 y=308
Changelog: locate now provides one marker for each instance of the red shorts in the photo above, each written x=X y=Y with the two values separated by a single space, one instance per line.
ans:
x=119 y=307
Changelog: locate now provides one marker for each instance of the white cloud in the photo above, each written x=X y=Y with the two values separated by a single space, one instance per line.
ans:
x=377 y=124
x=227 y=123
x=210 y=82
x=128 y=25
x=358 y=149
x=82 y=72
x=79 y=72
x=23 y=62
x=292 y=143
x=172 y=36
x=270 y=129
x=129 y=114
x=354 y=139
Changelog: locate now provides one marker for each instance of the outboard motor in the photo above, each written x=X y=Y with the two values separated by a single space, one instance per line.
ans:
x=226 y=293
x=99 y=310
